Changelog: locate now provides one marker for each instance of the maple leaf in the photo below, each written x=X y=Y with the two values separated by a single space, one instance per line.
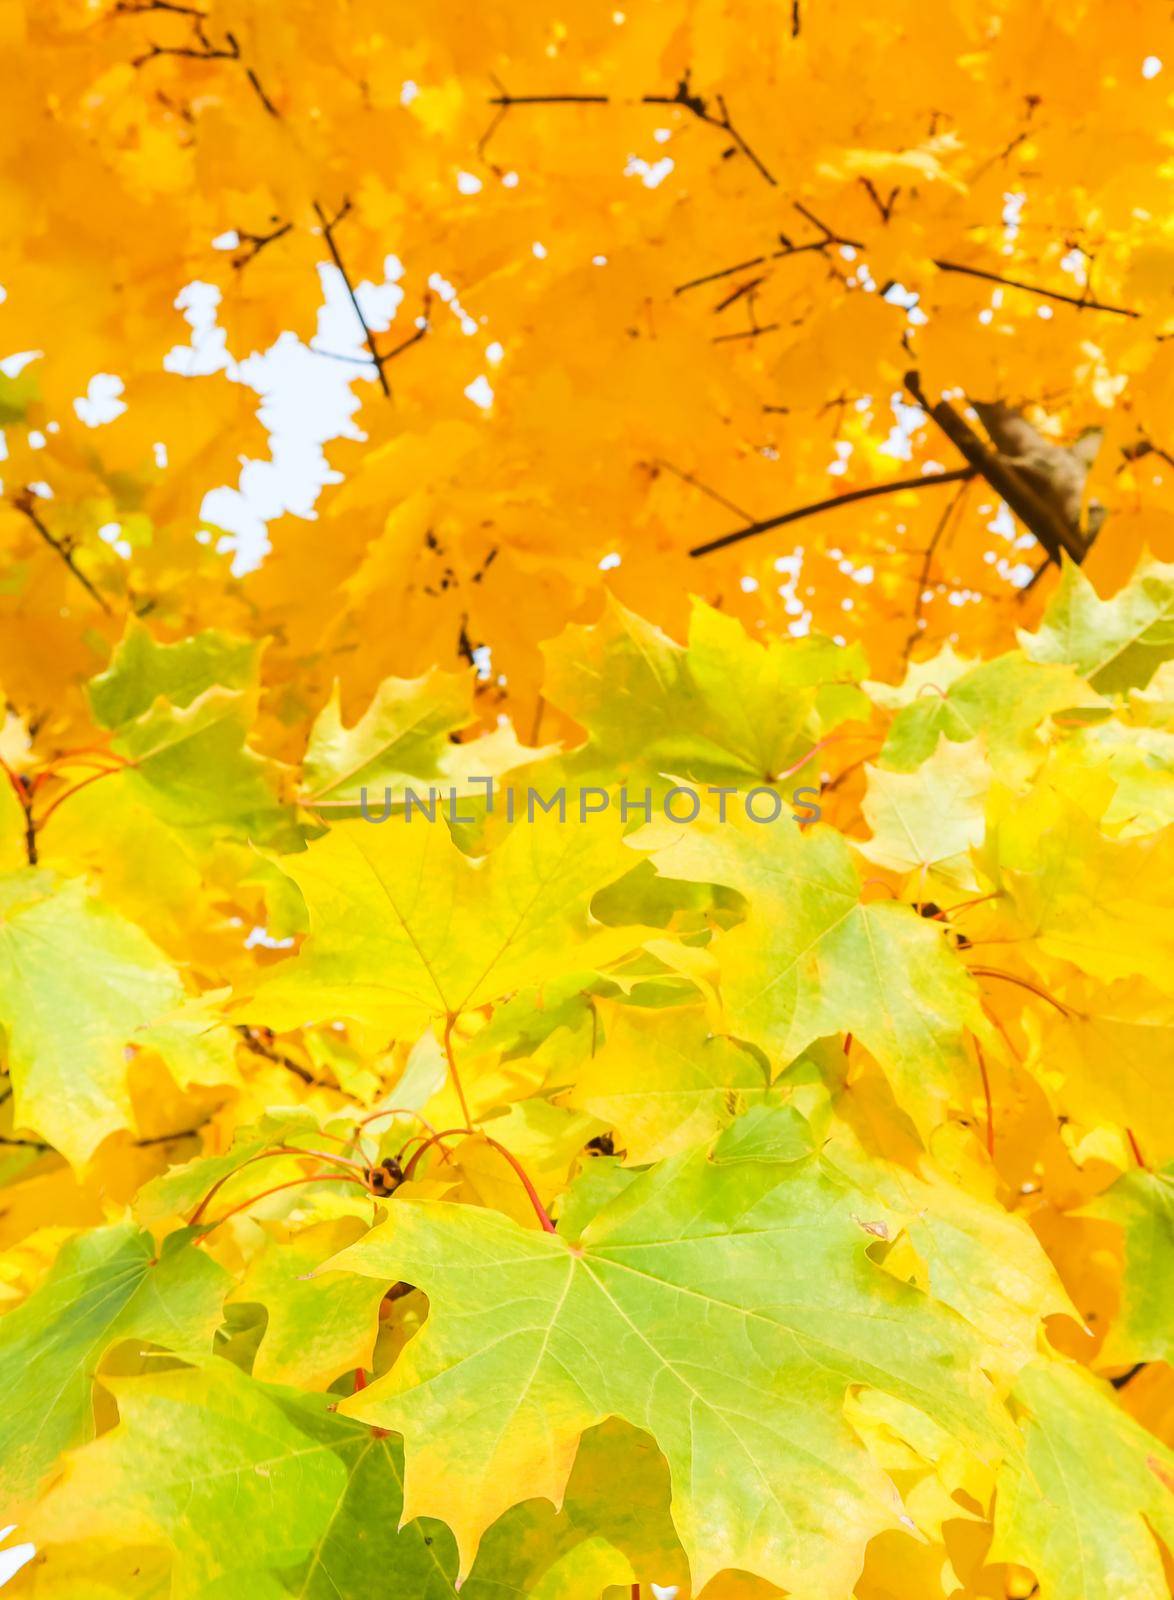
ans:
x=1081 y=1504
x=670 y=377
x=106 y=1286
x=384 y=905
x=738 y=1304
x=1127 y=1023
x=1080 y=896
x=76 y=981
x=328 y=1495
x=142 y=670
x=1117 y=643
x=722 y=708
x=812 y=957
x=405 y=740
x=1142 y=1204
x=927 y=821
x=1004 y=700
x=318 y=1325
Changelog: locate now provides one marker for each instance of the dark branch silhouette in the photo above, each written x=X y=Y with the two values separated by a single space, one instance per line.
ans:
x=1081 y=302
x=925 y=481
x=369 y=338
x=699 y=106
x=787 y=247
x=747 y=333
x=202 y=50
x=254 y=243
x=684 y=96
x=702 y=488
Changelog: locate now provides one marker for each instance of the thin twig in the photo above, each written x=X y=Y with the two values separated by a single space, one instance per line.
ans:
x=746 y=333
x=68 y=794
x=787 y=247
x=24 y=503
x=314 y=1177
x=267 y=1155
x=255 y=1041
x=1123 y=1378
x=254 y=243
x=448 y=1133
x=684 y=96
x=703 y=488
x=697 y=104
x=328 y=234
x=1081 y=302
x=923 y=577
x=24 y=795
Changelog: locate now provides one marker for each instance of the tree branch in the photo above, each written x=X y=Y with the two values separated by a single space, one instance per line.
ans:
x=1009 y=484
x=873 y=491
x=700 y=109
x=1082 y=303
x=254 y=243
x=788 y=248
x=24 y=504
x=684 y=96
x=24 y=794
x=260 y=1042
x=202 y=50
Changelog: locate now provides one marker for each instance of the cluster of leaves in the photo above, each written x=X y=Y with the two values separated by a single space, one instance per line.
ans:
x=693 y=253
x=541 y=1207
x=747 y=1207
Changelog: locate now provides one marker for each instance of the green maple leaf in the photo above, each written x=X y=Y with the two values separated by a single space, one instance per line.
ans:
x=192 y=766
x=76 y=981
x=104 y=1287
x=983 y=1261
x=403 y=740
x=236 y=1478
x=404 y=927
x=1142 y=1204
x=255 y=1491
x=811 y=958
x=724 y=708
x=1003 y=700
x=1117 y=643
x=17 y=395
x=1075 y=1508
x=736 y=1304
x=181 y=714
x=1137 y=761
x=141 y=670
